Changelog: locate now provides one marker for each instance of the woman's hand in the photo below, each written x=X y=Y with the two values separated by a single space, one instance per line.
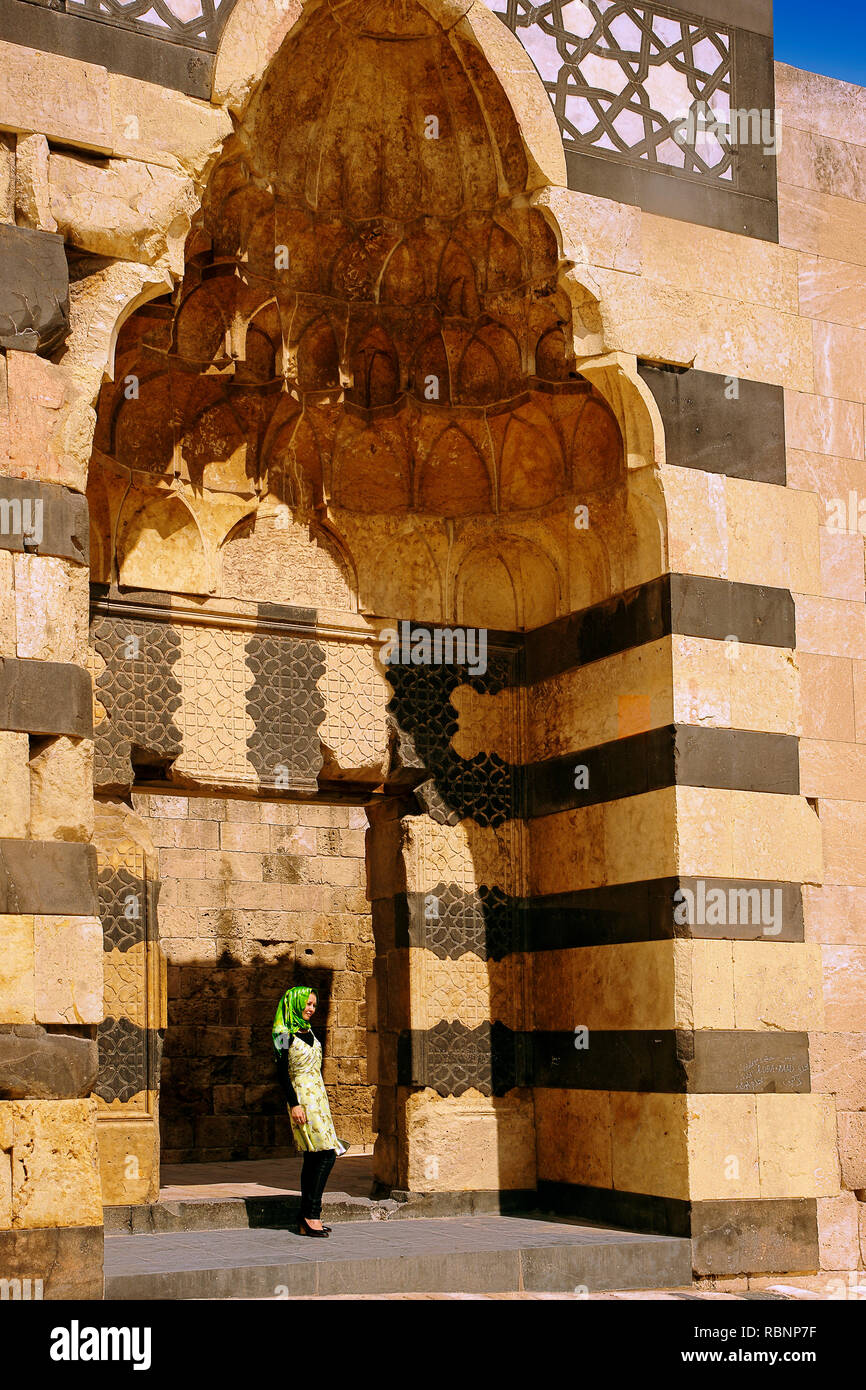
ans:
x=299 y=1114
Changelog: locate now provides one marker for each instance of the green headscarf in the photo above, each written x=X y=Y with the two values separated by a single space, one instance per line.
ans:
x=289 y=1017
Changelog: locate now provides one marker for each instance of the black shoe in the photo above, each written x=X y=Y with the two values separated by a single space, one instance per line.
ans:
x=306 y=1230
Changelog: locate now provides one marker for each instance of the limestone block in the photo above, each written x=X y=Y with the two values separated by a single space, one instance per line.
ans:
x=838 y=1231
x=62 y=98
x=37 y=397
x=852 y=1149
x=705 y=984
x=823 y=426
x=723 y=1147
x=55 y=1164
x=126 y=209
x=129 y=1161
x=6 y=1124
x=797 y=1145
x=840 y=361
x=833 y=290
x=17 y=987
x=778 y=986
x=733 y=337
x=68 y=970
x=844 y=830
x=697 y=509
x=831 y=769
x=709 y=261
x=51 y=608
x=649 y=1135
x=5 y=1191
x=469 y=1142
x=826 y=698
x=7 y=179
x=739 y=834
x=165 y=127
x=835 y=914
x=739 y=686
x=773 y=536
x=619 y=842
x=581 y=708
x=838 y=1064
x=61 y=791
x=14 y=778
x=32 y=196
x=829 y=626
x=573 y=1130
x=7 y=602
x=595 y=231
x=822 y=225
x=810 y=101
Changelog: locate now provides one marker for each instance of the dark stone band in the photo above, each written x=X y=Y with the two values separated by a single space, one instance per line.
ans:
x=62 y=519
x=677 y=755
x=38 y=1065
x=52 y=878
x=674 y=604
x=450 y=921
x=708 y=427
x=121 y=50
x=67 y=1259
x=451 y=1058
x=45 y=697
x=729 y=1237
x=34 y=286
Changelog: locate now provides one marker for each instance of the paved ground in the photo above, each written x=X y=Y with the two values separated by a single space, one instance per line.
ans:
x=352 y=1175
x=478 y=1254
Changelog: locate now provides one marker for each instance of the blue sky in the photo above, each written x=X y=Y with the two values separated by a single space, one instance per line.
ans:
x=837 y=47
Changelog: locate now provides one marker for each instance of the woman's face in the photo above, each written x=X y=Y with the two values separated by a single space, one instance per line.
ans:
x=310 y=1007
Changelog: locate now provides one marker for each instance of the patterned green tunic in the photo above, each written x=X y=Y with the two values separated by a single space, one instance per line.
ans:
x=305 y=1073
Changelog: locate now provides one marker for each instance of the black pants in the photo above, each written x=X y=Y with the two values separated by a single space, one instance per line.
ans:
x=314 y=1174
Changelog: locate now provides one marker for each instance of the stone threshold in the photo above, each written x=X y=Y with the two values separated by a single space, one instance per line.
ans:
x=476 y=1254
x=280 y=1211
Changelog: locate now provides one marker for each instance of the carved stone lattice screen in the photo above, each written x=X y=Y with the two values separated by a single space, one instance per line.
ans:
x=197 y=23
x=621 y=76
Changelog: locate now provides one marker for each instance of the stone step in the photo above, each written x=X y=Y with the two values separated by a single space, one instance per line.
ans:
x=474 y=1254
x=277 y=1211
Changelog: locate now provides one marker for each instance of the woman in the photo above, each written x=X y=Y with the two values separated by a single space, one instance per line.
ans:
x=299 y=1067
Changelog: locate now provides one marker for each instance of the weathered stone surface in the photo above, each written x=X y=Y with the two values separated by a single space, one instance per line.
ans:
x=8 y=645
x=852 y=1150
x=40 y=877
x=46 y=697
x=753 y=1237
x=14 y=776
x=55 y=1164
x=68 y=969
x=38 y=1065
x=126 y=208
x=37 y=397
x=61 y=791
x=7 y=178
x=66 y=100
x=32 y=195
x=34 y=290
x=838 y=1232
x=51 y=605
x=42 y=519
x=68 y=1261
x=17 y=991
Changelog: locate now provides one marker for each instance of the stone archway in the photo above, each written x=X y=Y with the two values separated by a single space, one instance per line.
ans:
x=362 y=406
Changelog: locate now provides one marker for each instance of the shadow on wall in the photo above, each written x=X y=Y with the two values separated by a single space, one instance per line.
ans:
x=219 y=1097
